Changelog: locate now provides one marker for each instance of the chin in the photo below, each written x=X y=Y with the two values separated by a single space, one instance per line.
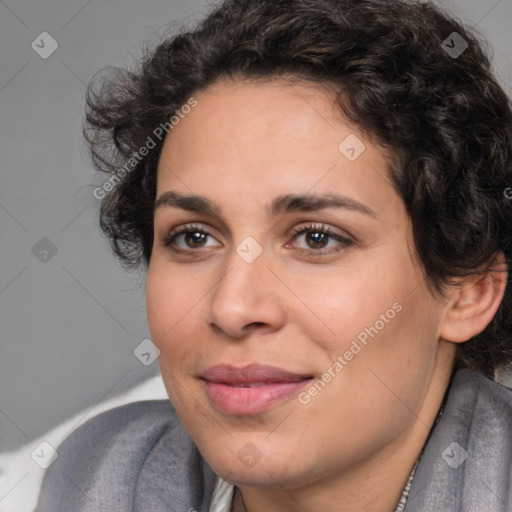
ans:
x=253 y=460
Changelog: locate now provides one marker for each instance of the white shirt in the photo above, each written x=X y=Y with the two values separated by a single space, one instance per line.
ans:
x=222 y=496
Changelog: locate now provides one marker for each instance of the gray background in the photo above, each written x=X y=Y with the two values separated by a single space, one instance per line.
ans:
x=70 y=324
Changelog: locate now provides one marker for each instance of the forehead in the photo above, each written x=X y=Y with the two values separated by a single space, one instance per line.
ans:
x=272 y=137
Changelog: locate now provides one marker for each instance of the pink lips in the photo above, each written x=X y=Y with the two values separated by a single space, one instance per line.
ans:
x=250 y=389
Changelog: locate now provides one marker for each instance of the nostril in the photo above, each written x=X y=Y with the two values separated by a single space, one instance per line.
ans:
x=255 y=325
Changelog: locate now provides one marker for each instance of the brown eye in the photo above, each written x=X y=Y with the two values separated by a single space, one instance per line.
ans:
x=317 y=240
x=318 y=237
x=194 y=238
x=187 y=239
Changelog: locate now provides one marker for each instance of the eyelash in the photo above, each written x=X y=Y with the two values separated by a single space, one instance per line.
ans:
x=313 y=228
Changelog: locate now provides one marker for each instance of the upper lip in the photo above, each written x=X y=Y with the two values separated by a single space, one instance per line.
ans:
x=229 y=374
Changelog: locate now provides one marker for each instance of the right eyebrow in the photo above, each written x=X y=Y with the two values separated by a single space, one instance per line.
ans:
x=191 y=203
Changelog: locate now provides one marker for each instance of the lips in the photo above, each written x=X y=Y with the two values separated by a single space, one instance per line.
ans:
x=251 y=389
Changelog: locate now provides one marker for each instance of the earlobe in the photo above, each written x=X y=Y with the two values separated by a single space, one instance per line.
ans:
x=474 y=304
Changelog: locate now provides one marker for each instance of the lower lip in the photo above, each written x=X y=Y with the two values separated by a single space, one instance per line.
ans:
x=231 y=400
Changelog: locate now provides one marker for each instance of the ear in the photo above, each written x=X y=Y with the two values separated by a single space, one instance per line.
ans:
x=474 y=303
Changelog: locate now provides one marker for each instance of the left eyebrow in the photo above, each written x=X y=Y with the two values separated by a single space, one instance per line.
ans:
x=308 y=202
x=281 y=205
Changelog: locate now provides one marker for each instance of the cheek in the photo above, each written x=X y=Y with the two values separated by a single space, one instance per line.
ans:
x=175 y=304
x=398 y=355
x=381 y=317
x=169 y=302
x=159 y=298
x=354 y=303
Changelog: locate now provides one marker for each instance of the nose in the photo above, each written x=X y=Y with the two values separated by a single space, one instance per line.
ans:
x=246 y=299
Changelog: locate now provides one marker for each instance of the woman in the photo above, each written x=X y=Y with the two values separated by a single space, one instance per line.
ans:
x=318 y=190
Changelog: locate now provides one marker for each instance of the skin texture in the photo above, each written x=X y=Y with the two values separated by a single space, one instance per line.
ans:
x=297 y=306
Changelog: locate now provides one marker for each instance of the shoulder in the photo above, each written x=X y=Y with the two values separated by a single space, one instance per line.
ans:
x=133 y=427
x=485 y=400
x=467 y=461
x=145 y=418
x=103 y=460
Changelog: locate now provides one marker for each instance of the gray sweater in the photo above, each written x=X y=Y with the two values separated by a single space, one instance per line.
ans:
x=139 y=458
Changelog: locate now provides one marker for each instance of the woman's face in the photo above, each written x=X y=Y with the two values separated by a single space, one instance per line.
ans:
x=298 y=337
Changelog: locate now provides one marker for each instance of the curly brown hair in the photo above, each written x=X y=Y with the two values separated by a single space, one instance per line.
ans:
x=443 y=117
